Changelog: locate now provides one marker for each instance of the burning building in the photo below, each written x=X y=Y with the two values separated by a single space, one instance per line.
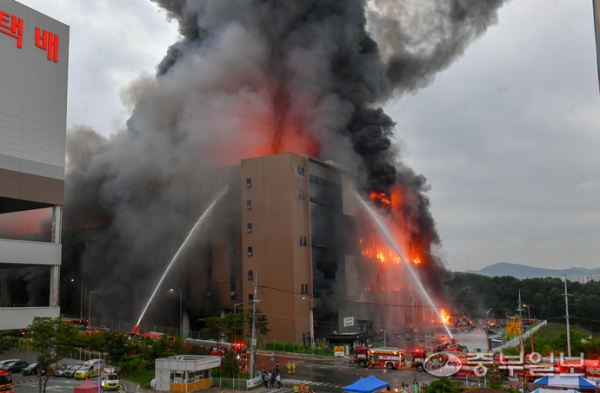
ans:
x=279 y=103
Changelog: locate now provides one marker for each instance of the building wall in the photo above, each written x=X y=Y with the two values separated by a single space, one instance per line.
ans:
x=34 y=58
x=275 y=203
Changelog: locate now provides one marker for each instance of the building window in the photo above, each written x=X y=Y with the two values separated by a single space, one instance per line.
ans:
x=300 y=240
x=304 y=240
x=248 y=204
x=250 y=298
x=300 y=193
x=249 y=227
x=248 y=183
x=249 y=251
x=302 y=171
x=250 y=275
x=299 y=172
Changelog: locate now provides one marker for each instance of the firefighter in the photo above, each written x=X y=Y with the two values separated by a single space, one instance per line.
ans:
x=289 y=367
x=296 y=389
x=293 y=368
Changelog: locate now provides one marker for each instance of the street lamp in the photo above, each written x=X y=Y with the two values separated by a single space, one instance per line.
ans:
x=310 y=320
x=90 y=306
x=530 y=331
x=180 y=312
x=80 y=301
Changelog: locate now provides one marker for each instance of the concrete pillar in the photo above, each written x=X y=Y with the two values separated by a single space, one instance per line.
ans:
x=55 y=269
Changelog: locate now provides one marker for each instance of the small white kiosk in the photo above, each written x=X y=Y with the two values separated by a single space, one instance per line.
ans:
x=184 y=373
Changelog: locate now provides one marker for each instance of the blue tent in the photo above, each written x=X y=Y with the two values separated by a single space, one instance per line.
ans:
x=366 y=385
x=573 y=381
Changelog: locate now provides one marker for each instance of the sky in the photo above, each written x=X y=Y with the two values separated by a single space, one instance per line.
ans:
x=507 y=135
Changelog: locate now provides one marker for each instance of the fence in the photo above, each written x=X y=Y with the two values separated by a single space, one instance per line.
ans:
x=323 y=349
x=230 y=383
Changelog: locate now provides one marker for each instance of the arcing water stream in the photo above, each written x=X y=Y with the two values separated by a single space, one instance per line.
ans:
x=389 y=237
x=182 y=247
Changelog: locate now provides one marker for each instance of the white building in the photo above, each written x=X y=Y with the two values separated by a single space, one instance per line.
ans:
x=184 y=373
x=34 y=58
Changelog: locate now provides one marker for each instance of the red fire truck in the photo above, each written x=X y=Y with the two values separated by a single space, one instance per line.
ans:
x=6 y=384
x=388 y=357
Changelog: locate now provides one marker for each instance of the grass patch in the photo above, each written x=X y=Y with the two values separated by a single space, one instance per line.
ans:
x=143 y=377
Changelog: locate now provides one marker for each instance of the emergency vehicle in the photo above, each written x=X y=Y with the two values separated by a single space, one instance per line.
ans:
x=90 y=369
x=110 y=379
x=388 y=357
x=217 y=349
x=6 y=384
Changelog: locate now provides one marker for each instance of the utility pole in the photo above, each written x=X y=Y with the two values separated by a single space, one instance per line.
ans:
x=522 y=350
x=567 y=317
x=253 y=337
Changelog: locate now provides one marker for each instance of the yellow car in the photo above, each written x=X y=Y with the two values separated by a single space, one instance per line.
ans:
x=83 y=372
x=110 y=382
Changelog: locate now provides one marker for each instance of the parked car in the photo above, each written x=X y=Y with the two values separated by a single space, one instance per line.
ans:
x=15 y=367
x=5 y=361
x=70 y=371
x=32 y=369
x=60 y=372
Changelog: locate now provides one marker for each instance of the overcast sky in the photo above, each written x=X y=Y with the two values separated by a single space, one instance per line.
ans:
x=508 y=136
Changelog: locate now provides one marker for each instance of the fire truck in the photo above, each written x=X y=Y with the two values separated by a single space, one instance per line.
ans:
x=216 y=349
x=388 y=357
x=6 y=384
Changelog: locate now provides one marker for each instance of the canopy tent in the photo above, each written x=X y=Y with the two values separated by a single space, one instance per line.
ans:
x=572 y=381
x=542 y=390
x=366 y=385
x=87 y=387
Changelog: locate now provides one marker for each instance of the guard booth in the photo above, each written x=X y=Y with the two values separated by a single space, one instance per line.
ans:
x=184 y=373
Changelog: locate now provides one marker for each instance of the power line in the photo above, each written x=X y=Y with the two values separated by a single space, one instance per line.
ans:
x=348 y=300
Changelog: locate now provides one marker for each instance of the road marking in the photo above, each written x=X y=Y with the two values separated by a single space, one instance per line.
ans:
x=309 y=383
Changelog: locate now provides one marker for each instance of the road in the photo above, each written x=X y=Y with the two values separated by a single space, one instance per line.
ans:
x=331 y=376
x=322 y=376
x=29 y=384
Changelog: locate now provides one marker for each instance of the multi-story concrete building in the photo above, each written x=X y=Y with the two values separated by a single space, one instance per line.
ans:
x=34 y=58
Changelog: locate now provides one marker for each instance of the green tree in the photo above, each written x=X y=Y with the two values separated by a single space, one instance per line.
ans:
x=261 y=322
x=6 y=341
x=217 y=328
x=51 y=339
x=442 y=385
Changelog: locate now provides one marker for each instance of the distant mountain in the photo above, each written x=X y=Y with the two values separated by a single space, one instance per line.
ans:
x=521 y=271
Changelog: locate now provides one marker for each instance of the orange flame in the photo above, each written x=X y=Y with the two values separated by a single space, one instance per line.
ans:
x=445 y=317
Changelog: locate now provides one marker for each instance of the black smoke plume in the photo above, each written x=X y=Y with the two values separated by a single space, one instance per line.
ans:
x=317 y=70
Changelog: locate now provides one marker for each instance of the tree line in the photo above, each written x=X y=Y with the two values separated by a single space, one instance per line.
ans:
x=472 y=295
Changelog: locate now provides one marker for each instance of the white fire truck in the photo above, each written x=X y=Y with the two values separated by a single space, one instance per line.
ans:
x=388 y=357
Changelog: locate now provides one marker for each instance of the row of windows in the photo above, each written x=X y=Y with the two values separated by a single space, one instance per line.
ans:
x=301 y=194
x=250 y=252
x=303 y=287
x=189 y=376
x=249 y=180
